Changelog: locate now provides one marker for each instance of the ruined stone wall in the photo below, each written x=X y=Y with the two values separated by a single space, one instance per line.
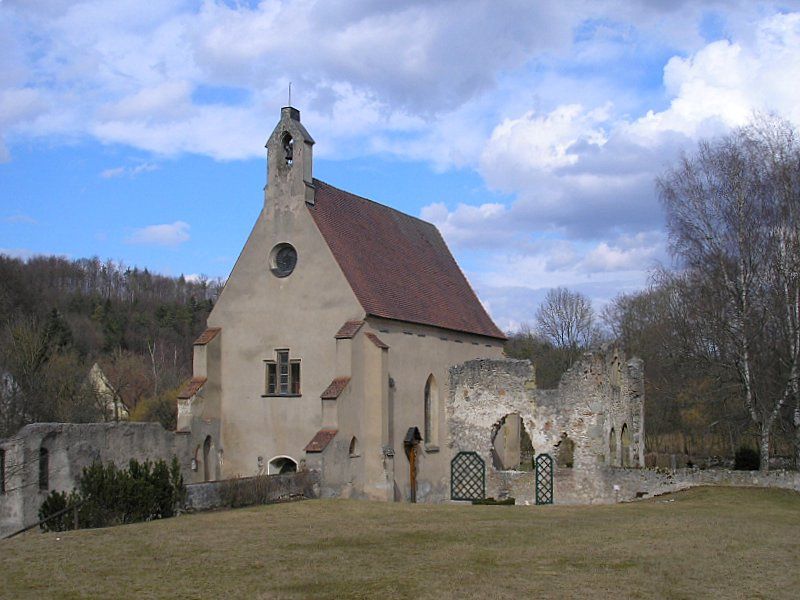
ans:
x=596 y=400
x=71 y=447
x=271 y=488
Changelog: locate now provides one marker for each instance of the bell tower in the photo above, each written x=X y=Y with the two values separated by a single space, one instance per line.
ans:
x=289 y=159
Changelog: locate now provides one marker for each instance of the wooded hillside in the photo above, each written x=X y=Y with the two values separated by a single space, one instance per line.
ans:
x=59 y=317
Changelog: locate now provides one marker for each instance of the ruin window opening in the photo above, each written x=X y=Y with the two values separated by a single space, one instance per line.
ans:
x=512 y=448
x=44 y=469
x=281 y=464
x=2 y=471
x=288 y=148
x=282 y=375
x=207 y=444
x=565 y=452
x=612 y=447
x=354 y=448
x=625 y=446
x=431 y=399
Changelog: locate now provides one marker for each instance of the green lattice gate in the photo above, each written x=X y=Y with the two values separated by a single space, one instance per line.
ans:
x=467 y=477
x=544 y=479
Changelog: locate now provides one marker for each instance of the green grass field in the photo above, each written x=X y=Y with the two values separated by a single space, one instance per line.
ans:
x=707 y=542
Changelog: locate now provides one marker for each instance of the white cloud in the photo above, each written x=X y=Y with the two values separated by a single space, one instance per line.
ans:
x=19 y=219
x=128 y=171
x=23 y=253
x=171 y=234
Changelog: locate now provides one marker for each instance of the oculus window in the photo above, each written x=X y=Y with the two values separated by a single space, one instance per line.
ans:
x=282 y=260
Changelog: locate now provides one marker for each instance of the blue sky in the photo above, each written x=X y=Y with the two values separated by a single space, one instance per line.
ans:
x=530 y=133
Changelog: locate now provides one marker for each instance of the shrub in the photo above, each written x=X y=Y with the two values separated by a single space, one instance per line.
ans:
x=53 y=504
x=245 y=491
x=746 y=459
x=112 y=496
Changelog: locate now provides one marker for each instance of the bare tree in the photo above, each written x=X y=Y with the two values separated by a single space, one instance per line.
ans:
x=732 y=221
x=566 y=319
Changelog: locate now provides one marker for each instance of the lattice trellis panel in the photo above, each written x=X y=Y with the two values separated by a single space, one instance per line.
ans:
x=544 y=479
x=467 y=477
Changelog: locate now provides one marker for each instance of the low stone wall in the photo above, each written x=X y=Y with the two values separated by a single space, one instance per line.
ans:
x=270 y=488
x=609 y=485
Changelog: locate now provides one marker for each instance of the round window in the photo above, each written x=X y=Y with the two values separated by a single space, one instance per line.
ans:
x=282 y=260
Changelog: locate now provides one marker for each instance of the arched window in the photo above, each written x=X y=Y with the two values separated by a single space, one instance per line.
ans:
x=512 y=448
x=431 y=413
x=207 y=458
x=612 y=448
x=2 y=471
x=625 y=446
x=288 y=148
x=44 y=469
x=281 y=464
x=354 y=447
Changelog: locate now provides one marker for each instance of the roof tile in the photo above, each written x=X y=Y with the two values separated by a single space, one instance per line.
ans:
x=335 y=388
x=398 y=266
x=208 y=335
x=191 y=387
x=376 y=340
x=321 y=440
x=348 y=330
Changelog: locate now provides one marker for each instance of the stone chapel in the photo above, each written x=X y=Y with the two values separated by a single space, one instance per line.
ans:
x=330 y=346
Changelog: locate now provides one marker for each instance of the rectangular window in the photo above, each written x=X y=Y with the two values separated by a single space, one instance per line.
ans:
x=283 y=372
x=282 y=375
x=271 y=377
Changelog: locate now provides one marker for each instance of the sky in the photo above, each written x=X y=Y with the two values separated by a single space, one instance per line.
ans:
x=530 y=133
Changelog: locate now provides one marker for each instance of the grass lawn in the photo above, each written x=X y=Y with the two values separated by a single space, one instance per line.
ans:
x=707 y=542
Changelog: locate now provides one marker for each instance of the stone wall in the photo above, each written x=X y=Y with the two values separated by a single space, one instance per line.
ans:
x=270 y=488
x=597 y=412
x=69 y=447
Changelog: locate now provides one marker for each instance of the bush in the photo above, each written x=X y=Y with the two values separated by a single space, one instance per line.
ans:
x=245 y=491
x=112 y=496
x=53 y=504
x=746 y=459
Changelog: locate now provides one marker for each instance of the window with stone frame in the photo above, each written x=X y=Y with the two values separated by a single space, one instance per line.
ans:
x=282 y=374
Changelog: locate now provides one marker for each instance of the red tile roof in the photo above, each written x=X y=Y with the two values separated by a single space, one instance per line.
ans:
x=398 y=266
x=191 y=387
x=321 y=440
x=376 y=340
x=335 y=388
x=208 y=335
x=348 y=330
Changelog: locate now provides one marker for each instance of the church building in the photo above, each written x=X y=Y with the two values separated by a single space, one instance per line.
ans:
x=331 y=344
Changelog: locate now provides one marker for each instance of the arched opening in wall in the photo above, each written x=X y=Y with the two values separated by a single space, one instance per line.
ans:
x=44 y=469
x=288 y=148
x=207 y=458
x=612 y=448
x=354 y=447
x=565 y=452
x=625 y=446
x=2 y=471
x=431 y=413
x=512 y=448
x=281 y=464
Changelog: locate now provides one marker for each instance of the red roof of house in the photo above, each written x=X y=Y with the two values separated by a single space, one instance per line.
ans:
x=398 y=266
x=376 y=340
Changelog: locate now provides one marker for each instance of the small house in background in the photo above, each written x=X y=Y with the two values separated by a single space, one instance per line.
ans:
x=115 y=409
